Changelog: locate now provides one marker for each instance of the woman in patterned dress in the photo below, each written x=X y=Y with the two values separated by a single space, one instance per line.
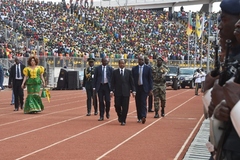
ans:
x=33 y=78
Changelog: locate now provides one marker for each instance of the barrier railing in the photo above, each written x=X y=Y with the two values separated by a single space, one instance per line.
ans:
x=54 y=64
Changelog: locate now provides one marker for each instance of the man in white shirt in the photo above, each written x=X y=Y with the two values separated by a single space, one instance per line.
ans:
x=15 y=81
x=203 y=77
x=121 y=87
x=198 y=81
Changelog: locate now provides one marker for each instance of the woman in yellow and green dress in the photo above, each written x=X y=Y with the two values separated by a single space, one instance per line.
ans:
x=33 y=79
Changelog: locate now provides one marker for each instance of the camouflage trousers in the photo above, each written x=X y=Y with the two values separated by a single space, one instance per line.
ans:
x=159 y=93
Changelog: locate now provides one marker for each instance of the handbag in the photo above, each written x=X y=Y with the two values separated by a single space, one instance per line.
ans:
x=48 y=95
x=43 y=95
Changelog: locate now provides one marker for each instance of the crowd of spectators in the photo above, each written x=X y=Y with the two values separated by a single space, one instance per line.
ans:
x=80 y=30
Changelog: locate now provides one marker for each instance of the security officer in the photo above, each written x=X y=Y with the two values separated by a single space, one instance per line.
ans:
x=87 y=84
x=228 y=146
x=159 y=71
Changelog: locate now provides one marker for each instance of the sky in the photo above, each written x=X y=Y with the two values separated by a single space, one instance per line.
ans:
x=193 y=8
x=196 y=8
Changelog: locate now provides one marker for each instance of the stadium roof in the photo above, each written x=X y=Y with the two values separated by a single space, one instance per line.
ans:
x=150 y=4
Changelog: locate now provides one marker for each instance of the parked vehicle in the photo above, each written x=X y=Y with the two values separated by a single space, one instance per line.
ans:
x=186 y=77
x=172 y=77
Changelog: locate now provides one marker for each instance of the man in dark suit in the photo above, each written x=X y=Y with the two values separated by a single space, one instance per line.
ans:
x=142 y=76
x=102 y=86
x=15 y=80
x=150 y=97
x=122 y=85
x=87 y=84
x=1 y=77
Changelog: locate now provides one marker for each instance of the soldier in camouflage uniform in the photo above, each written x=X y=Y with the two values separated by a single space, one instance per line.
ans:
x=159 y=70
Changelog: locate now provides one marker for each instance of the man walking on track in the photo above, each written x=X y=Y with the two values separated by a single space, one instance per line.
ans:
x=88 y=85
x=142 y=76
x=159 y=86
x=102 y=86
x=122 y=85
x=15 y=81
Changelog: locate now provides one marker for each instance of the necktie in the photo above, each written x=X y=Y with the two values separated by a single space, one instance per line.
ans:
x=121 y=72
x=18 y=72
x=140 y=76
x=103 y=72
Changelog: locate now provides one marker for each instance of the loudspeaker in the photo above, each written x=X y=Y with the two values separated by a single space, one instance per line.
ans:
x=73 y=80
x=62 y=79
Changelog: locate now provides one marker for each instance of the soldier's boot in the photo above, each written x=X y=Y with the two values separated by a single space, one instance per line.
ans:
x=163 y=103
x=156 y=114
x=162 y=112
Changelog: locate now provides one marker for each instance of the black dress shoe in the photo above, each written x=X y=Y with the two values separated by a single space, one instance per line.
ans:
x=89 y=114
x=21 y=107
x=107 y=115
x=15 y=109
x=100 y=119
x=123 y=124
x=119 y=120
x=95 y=113
x=139 y=121
x=143 y=120
x=150 y=111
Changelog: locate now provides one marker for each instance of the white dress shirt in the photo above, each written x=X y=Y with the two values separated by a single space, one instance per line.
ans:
x=18 y=68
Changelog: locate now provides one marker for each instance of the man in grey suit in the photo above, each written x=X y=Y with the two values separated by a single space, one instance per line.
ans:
x=142 y=76
x=122 y=85
x=102 y=86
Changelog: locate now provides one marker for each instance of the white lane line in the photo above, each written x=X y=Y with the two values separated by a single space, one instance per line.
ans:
x=8 y=100
x=47 y=126
x=17 y=135
x=37 y=129
x=187 y=140
x=64 y=110
x=52 y=106
x=52 y=100
x=120 y=144
x=43 y=115
x=66 y=139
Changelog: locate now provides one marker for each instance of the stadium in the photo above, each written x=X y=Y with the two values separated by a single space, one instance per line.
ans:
x=64 y=35
x=112 y=32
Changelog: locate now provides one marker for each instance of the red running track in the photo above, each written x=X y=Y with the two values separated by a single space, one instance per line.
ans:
x=64 y=132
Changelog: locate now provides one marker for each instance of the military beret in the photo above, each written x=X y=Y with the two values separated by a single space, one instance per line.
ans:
x=90 y=59
x=160 y=58
x=230 y=6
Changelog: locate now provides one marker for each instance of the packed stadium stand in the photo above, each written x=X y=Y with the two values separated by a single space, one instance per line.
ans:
x=66 y=35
